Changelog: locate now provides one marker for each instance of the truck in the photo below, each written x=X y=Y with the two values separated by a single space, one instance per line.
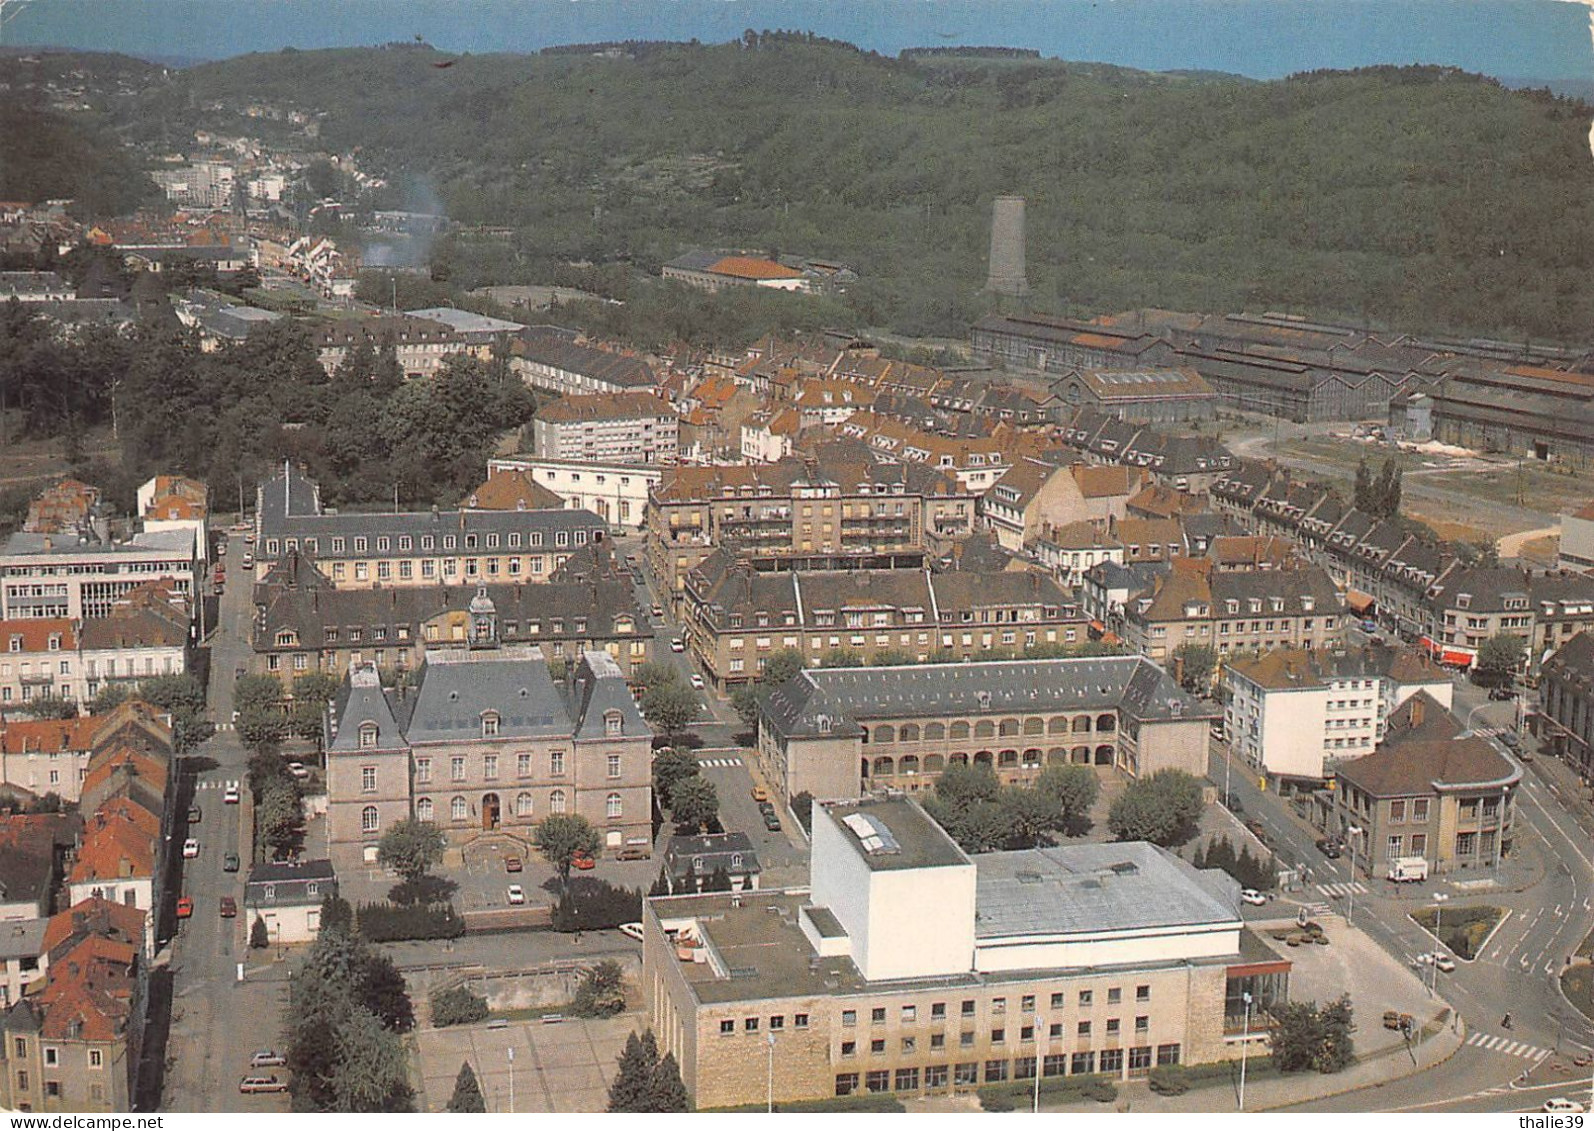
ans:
x=1408 y=869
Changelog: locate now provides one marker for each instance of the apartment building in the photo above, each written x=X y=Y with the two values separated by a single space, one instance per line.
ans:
x=1034 y=494
x=55 y=575
x=840 y=732
x=1431 y=789
x=173 y=502
x=420 y=345
x=303 y=623
x=1296 y=714
x=457 y=547
x=1073 y=550
x=911 y=968
x=839 y=508
x=46 y=755
x=487 y=741
x=1565 y=721
x=556 y=364
x=615 y=492
x=735 y=617
x=1234 y=611
x=640 y=428
x=57 y=657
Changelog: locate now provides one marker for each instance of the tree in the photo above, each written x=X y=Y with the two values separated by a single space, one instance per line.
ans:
x=259 y=936
x=694 y=804
x=671 y=706
x=336 y=914
x=311 y=691
x=1498 y=660
x=1031 y=816
x=258 y=700
x=372 y=1067
x=961 y=785
x=107 y=699
x=561 y=837
x=1386 y=491
x=1364 y=497
x=745 y=701
x=1339 y=1047
x=669 y=1090
x=1196 y=663
x=632 y=1088
x=601 y=992
x=781 y=666
x=49 y=707
x=279 y=818
x=1306 y=1037
x=458 y=1006
x=182 y=697
x=802 y=804
x=1074 y=788
x=384 y=992
x=656 y=673
x=467 y=1095
x=671 y=767
x=1162 y=808
x=411 y=848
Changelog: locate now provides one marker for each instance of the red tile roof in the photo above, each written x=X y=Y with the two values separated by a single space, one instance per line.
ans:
x=36 y=632
x=45 y=735
x=749 y=267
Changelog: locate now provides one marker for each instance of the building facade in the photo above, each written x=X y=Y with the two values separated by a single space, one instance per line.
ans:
x=45 y=575
x=639 y=428
x=615 y=492
x=1565 y=720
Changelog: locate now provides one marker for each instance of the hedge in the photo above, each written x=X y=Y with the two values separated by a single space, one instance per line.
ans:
x=859 y=1101
x=1062 y=1089
x=457 y=1006
x=595 y=905
x=387 y=922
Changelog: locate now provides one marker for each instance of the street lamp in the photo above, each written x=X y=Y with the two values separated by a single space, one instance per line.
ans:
x=511 y=1051
x=769 y=1096
x=1438 y=916
x=1355 y=831
x=1245 y=1046
x=1466 y=731
x=1040 y=1059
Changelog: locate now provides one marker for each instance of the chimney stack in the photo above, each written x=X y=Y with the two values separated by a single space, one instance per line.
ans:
x=1006 y=272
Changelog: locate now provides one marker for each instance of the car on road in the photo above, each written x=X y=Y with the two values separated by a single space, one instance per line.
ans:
x=229 y=862
x=185 y=908
x=249 y=561
x=513 y=864
x=193 y=814
x=517 y=895
x=760 y=793
x=631 y=931
x=1258 y=830
x=658 y=610
x=772 y=822
x=1500 y=694
x=630 y=559
x=190 y=849
x=677 y=645
x=229 y=907
x=298 y=771
x=582 y=862
x=1252 y=897
x=1329 y=848
x=267 y=1058
x=1436 y=958
x=697 y=682
x=231 y=796
x=1562 y=1104
x=251 y=1084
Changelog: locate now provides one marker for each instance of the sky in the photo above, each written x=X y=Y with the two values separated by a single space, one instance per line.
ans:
x=1513 y=39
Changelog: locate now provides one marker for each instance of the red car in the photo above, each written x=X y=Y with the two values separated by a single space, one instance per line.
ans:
x=185 y=907
x=229 y=907
x=512 y=864
x=582 y=862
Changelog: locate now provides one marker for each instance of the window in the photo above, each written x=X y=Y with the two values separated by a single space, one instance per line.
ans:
x=1084 y=1028
x=490 y=765
x=998 y=1005
x=367 y=779
x=423 y=769
x=907 y=1079
x=614 y=765
x=52 y=1056
x=1086 y=997
x=877 y=1046
x=1027 y=1003
x=778 y=1021
x=1024 y=1068
x=523 y=805
x=1140 y=1058
x=1112 y=1060
x=96 y=1058
x=1113 y=1026
x=966 y=1039
x=556 y=801
x=1057 y=1001
x=727 y=1027
x=846 y=1083
x=523 y=765
x=1167 y=1054
x=1142 y=1024
x=968 y=1009
x=1397 y=810
x=368 y=819
x=849 y=1017
x=849 y=1048
x=457 y=809
x=1419 y=809
x=995 y=1071
x=490 y=725
x=750 y=1024
x=799 y=1021
x=423 y=809
x=878 y=1081
x=966 y=1073
x=1142 y=993
x=613 y=806
x=877 y=1016
x=938 y=1011
x=910 y=1014
x=367 y=736
x=456 y=768
x=556 y=762
x=935 y=1075
x=1115 y=995
x=938 y=1041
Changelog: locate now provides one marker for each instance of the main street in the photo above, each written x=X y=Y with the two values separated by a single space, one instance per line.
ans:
x=1546 y=888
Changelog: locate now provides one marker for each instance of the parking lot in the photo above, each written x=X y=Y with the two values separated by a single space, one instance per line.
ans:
x=555 y=1067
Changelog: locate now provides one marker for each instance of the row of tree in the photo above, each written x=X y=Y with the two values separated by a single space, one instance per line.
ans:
x=681 y=790
x=983 y=815
x=1378 y=495
x=180 y=696
x=1250 y=870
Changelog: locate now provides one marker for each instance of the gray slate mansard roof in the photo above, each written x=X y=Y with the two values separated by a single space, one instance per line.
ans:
x=363 y=702
x=841 y=695
x=1092 y=888
x=600 y=688
x=457 y=688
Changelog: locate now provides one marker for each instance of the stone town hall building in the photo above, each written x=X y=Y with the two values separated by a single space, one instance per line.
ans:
x=486 y=742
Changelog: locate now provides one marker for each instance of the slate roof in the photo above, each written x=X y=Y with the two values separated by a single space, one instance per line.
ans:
x=457 y=688
x=716 y=850
x=1286 y=668
x=600 y=365
x=1091 y=888
x=599 y=690
x=362 y=701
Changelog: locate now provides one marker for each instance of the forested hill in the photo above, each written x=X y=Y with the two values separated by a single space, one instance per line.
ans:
x=1416 y=197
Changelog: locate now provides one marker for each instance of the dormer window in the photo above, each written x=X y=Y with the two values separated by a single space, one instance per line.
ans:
x=55 y=642
x=613 y=724
x=1307 y=603
x=368 y=733
x=286 y=639
x=490 y=724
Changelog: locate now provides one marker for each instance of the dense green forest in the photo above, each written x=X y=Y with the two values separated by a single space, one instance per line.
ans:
x=1417 y=197
x=45 y=155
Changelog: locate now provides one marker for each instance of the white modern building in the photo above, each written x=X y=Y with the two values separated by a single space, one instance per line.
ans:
x=615 y=492
x=1296 y=714
x=62 y=575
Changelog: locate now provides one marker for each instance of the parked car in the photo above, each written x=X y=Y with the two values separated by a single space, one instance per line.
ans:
x=517 y=895
x=229 y=862
x=631 y=931
x=1501 y=694
x=766 y=807
x=1252 y=897
x=1401 y=1022
x=1562 y=1104
x=677 y=645
x=252 y=1084
x=298 y=770
x=249 y=561
x=513 y=864
x=190 y=849
x=658 y=610
x=634 y=852
x=1436 y=958
x=582 y=862
x=697 y=682
x=1329 y=848
x=267 y=1058
x=231 y=796
x=193 y=814
x=185 y=907
x=760 y=793
x=229 y=907
x=771 y=822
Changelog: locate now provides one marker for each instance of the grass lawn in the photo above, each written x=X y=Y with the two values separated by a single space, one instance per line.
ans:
x=1577 y=982
x=1462 y=929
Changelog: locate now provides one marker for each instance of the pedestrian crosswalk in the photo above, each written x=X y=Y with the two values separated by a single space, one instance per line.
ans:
x=1343 y=889
x=226 y=726
x=719 y=763
x=1507 y=1046
x=217 y=783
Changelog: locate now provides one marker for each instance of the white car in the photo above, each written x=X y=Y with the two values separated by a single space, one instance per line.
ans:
x=231 y=796
x=1437 y=958
x=1562 y=1104
x=697 y=682
x=677 y=645
x=1252 y=897
x=517 y=894
x=298 y=771
x=631 y=931
x=190 y=849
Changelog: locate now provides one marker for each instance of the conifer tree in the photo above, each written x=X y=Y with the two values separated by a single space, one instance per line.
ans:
x=467 y=1092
